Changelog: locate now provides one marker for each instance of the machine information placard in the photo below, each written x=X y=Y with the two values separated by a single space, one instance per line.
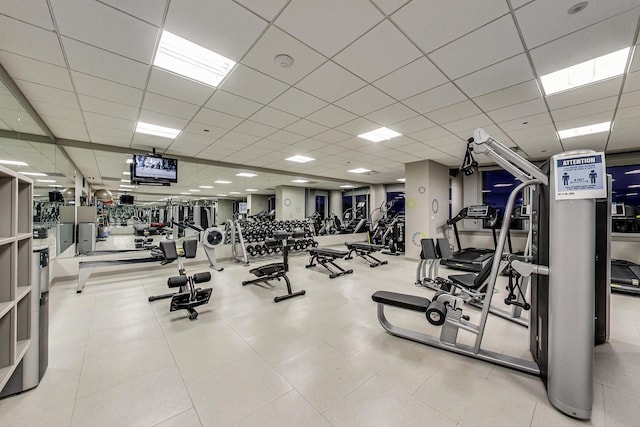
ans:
x=581 y=176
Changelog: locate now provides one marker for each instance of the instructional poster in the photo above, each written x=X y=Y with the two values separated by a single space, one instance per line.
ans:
x=581 y=176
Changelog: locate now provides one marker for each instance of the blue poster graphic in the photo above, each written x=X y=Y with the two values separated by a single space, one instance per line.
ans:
x=581 y=176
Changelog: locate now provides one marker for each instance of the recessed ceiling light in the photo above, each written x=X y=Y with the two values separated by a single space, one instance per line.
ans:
x=359 y=170
x=234 y=192
x=221 y=195
x=46 y=180
x=37 y=195
x=127 y=186
x=401 y=179
x=205 y=186
x=250 y=189
x=33 y=173
x=191 y=60
x=157 y=130
x=299 y=159
x=125 y=180
x=591 y=71
x=347 y=186
x=300 y=181
x=55 y=185
x=129 y=161
x=126 y=173
x=584 y=130
x=222 y=182
x=185 y=194
x=246 y=174
x=502 y=185
x=193 y=189
x=13 y=163
x=380 y=134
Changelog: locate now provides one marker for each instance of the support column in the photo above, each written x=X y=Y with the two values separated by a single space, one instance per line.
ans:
x=290 y=202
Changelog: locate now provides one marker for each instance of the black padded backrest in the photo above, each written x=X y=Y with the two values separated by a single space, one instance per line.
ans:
x=483 y=275
x=168 y=248
x=190 y=247
x=428 y=249
x=202 y=277
x=444 y=249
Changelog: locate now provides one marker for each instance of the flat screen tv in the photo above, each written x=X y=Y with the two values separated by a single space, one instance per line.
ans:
x=147 y=168
x=55 y=196
x=126 y=199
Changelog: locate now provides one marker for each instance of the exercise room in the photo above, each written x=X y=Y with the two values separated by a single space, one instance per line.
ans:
x=319 y=213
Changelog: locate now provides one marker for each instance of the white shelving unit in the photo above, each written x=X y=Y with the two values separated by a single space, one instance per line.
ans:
x=16 y=193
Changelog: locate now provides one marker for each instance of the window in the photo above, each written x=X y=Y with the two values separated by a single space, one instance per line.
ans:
x=625 y=190
x=496 y=188
x=398 y=204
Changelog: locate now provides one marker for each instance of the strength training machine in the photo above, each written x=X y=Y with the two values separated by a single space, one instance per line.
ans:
x=326 y=257
x=365 y=251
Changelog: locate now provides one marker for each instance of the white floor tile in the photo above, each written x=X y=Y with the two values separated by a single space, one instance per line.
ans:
x=188 y=418
x=290 y=410
x=622 y=408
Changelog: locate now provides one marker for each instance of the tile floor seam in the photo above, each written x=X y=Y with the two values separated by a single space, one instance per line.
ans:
x=533 y=414
x=373 y=374
x=177 y=415
x=75 y=400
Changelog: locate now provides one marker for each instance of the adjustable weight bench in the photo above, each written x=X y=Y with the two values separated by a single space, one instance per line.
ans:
x=326 y=257
x=364 y=251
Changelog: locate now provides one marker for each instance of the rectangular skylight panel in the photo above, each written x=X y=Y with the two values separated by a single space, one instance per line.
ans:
x=156 y=130
x=222 y=182
x=188 y=59
x=33 y=173
x=380 y=134
x=299 y=159
x=584 y=130
x=591 y=71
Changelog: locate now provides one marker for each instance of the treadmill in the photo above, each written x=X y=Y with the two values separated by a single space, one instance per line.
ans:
x=472 y=259
x=625 y=275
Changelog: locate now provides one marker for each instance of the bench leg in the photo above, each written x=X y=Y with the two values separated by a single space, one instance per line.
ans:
x=289 y=293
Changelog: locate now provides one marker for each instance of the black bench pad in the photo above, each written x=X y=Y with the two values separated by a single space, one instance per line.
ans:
x=409 y=302
x=364 y=246
x=464 y=280
x=266 y=270
x=334 y=253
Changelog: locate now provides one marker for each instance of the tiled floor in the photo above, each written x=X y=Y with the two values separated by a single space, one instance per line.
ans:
x=317 y=360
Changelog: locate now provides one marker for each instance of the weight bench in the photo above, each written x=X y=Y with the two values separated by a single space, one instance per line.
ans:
x=326 y=257
x=364 y=251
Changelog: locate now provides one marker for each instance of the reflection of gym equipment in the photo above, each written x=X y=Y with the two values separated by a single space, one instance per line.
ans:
x=562 y=297
x=364 y=251
x=212 y=238
x=625 y=277
x=276 y=270
x=472 y=259
x=326 y=257
x=188 y=296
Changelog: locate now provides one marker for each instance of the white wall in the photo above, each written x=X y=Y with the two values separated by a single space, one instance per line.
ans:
x=224 y=211
x=290 y=202
x=257 y=203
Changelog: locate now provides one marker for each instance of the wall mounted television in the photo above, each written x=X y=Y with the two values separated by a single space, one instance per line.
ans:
x=147 y=169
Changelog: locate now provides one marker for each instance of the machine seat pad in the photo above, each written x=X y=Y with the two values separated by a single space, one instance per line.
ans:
x=334 y=253
x=268 y=269
x=409 y=302
x=465 y=280
x=364 y=246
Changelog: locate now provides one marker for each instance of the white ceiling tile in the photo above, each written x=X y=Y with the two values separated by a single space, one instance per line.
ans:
x=429 y=134
x=188 y=138
x=358 y=126
x=411 y=79
x=34 y=12
x=390 y=6
x=76 y=134
x=331 y=116
x=391 y=114
x=330 y=82
x=490 y=44
x=21 y=68
x=308 y=21
x=149 y=142
x=306 y=128
x=275 y=42
x=216 y=118
x=7 y=101
x=501 y=75
x=232 y=104
x=296 y=102
x=241 y=139
x=454 y=112
x=600 y=39
x=332 y=136
x=255 y=128
x=628 y=113
x=524 y=109
x=19 y=121
x=265 y=8
x=623 y=138
x=272 y=117
x=512 y=95
x=365 y=100
x=100 y=63
x=468 y=124
x=57 y=111
x=30 y=41
x=151 y=11
x=585 y=120
x=581 y=110
x=632 y=83
x=635 y=64
x=203 y=130
x=174 y=86
x=433 y=24
x=105 y=135
x=595 y=142
x=379 y=52
x=109 y=122
x=436 y=98
x=169 y=106
x=545 y=20
x=630 y=99
x=309 y=144
x=221 y=26
x=286 y=137
x=38 y=92
x=545 y=133
x=100 y=88
x=134 y=39
x=526 y=122
x=584 y=94
x=253 y=85
x=412 y=125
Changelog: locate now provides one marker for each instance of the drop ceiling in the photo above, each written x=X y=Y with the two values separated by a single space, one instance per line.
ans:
x=431 y=70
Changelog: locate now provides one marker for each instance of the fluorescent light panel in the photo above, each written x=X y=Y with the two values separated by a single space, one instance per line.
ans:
x=347 y=186
x=13 y=163
x=205 y=186
x=591 y=71
x=46 y=180
x=299 y=159
x=127 y=186
x=359 y=170
x=55 y=185
x=401 y=179
x=33 y=173
x=584 y=130
x=234 y=192
x=380 y=134
x=192 y=189
x=250 y=189
x=300 y=181
x=222 y=182
x=126 y=173
x=188 y=59
x=156 y=130
x=246 y=174
x=129 y=161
